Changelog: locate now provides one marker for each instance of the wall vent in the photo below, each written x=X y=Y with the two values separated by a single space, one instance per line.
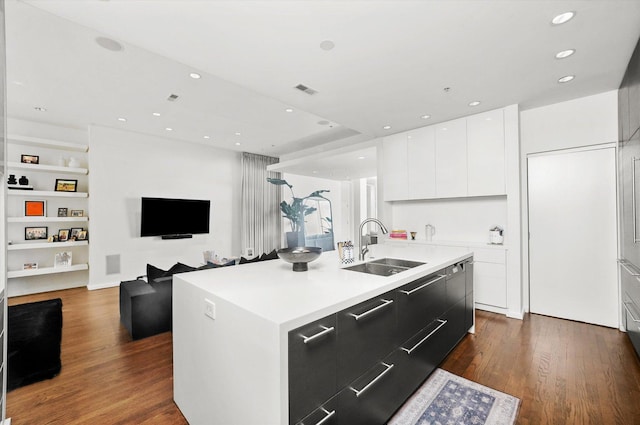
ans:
x=305 y=89
x=172 y=98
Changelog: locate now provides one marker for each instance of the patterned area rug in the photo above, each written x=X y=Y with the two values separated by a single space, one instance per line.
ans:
x=447 y=399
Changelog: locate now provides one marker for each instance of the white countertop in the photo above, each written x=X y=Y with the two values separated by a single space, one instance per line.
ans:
x=469 y=244
x=271 y=290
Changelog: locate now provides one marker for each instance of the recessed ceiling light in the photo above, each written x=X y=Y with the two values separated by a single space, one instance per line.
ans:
x=288 y=110
x=425 y=117
x=109 y=44
x=40 y=109
x=562 y=18
x=18 y=83
x=237 y=134
x=565 y=53
x=237 y=143
x=315 y=172
x=206 y=137
x=566 y=78
x=327 y=45
x=386 y=127
x=195 y=75
x=156 y=114
x=474 y=103
x=169 y=129
x=122 y=119
x=361 y=157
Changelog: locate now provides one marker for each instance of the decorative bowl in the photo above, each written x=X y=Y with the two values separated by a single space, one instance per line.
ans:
x=300 y=256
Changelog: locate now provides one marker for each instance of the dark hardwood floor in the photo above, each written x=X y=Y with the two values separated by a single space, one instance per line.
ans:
x=564 y=372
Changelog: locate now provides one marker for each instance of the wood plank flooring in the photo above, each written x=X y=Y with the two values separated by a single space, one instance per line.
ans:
x=564 y=372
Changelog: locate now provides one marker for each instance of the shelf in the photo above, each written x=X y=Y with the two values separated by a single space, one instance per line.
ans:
x=43 y=168
x=39 y=245
x=46 y=219
x=46 y=270
x=47 y=193
x=46 y=143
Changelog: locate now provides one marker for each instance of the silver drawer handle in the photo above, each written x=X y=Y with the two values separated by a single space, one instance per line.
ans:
x=409 y=350
x=366 y=387
x=368 y=312
x=326 y=330
x=422 y=286
x=625 y=266
x=326 y=418
x=633 y=316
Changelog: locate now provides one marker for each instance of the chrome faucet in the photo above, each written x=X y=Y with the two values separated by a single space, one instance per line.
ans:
x=364 y=248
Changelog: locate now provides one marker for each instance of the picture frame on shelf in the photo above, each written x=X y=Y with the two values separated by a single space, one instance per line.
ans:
x=36 y=233
x=73 y=235
x=62 y=259
x=35 y=208
x=30 y=266
x=63 y=235
x=77 y=213
x=63 y=212
x=66 y=185
x=30 y=159
x=82 y=235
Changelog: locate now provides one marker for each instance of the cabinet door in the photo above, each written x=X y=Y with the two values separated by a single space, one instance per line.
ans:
x=421 y=163
x=454 y=330
x=367 y=334
x=312 y=366
x=419 y=303
x=394 y=166
x=633 y=73
x=451 y=159
x=469 y=319
x=485 y=154
x=629 y=179
x=490 y=284
x=632 y=321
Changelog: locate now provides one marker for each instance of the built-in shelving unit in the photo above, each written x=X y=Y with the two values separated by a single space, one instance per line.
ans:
x=29 y=259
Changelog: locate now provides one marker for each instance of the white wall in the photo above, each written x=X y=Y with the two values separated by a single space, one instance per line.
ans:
x=126 y=166
x=586 y=121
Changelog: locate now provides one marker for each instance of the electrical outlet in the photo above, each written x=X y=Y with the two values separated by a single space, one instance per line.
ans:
x=209 y=308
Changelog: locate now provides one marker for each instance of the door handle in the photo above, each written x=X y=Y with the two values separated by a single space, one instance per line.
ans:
x=422 y=286
x=410 y=350
x=388 y=367
x=368 y=312
x=325 y=331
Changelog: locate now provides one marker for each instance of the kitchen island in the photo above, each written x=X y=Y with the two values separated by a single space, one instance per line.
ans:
x=261 y=344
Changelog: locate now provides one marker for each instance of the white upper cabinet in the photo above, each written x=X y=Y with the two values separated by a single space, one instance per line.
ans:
x=421 y=163
x=394 y=163
x=451 y=159
x=485 y=154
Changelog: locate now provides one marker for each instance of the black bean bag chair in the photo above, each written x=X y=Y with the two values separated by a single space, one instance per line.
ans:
x=34 y=334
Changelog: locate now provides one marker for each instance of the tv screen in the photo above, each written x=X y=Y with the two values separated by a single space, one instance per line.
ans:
x=167 y=217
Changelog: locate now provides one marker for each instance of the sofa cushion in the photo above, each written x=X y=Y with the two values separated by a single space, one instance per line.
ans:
x=273 y=255
x=154 y=273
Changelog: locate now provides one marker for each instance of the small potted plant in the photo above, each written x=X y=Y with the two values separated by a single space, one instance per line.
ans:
x=295 y=212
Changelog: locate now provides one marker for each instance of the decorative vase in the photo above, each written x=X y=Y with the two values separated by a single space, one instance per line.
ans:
x=23 y=181
x=12 y=179
x=295 y=239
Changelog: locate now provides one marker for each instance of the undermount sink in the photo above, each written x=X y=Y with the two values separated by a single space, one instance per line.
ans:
x=384 y=266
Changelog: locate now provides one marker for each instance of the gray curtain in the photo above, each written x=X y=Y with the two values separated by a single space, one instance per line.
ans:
x=261 y=218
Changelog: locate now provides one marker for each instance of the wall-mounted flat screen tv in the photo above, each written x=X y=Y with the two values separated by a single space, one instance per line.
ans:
x=174 y=218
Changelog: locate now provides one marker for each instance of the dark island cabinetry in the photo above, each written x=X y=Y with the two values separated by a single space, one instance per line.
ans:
x=362 y=363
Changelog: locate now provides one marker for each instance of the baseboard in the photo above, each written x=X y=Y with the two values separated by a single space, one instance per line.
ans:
x=93 y=287
x=516 y=314
x=491 y=308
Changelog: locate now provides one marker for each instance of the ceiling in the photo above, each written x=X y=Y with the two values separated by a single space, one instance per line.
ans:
x=389 y=66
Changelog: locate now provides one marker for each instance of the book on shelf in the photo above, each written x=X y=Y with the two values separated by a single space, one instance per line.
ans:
x=398 y=234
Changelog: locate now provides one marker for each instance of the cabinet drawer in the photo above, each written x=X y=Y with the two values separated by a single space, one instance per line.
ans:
x=421 y=354
x=630 y=283
x=469 y=312
x=497 y=256
x=327 y=414
x=312 y=366
x=632 y=322
x=419 y=303
x=367 y=334
x=455 y=329
x=372 y=398
x=456 y=284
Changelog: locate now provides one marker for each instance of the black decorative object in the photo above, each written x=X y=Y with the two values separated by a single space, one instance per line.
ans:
x=12 y=179
x=33 y=348
x=23 y=181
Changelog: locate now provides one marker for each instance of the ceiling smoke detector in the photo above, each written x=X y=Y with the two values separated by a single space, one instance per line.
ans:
x=305 y=89
x=173 y=98
x=109 y=44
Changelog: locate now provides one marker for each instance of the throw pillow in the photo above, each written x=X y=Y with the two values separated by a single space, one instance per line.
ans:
x=273 y=255
x=181 y=268
x=245 y=260
x=154 y=273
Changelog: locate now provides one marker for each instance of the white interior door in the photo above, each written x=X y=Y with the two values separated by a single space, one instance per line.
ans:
x=572 y=242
